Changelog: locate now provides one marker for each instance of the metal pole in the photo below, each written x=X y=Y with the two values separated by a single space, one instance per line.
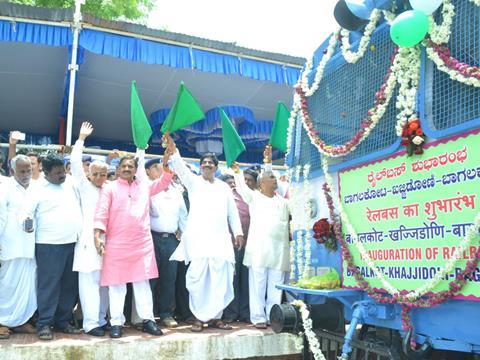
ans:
x=73 y=68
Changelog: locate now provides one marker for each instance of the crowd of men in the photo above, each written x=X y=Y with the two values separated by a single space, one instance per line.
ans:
x=196 y=248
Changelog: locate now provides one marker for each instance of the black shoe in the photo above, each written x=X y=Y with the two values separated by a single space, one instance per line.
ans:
x=150 y=326
x=116 y=331
x=107 y=326
x=98 y=331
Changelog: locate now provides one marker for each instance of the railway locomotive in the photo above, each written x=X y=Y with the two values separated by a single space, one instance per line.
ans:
x=384 y=163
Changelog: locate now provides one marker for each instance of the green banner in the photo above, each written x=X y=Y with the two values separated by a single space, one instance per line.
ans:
x=410 y=213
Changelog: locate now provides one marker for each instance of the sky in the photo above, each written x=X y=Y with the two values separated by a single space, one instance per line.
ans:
x=292 y=27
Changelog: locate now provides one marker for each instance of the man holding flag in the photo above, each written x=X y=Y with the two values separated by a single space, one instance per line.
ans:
x=206 y=242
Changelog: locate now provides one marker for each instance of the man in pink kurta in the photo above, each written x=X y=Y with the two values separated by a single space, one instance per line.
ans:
x=122 y=216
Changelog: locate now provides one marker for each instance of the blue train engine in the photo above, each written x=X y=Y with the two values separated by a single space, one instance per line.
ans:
x=384 y=164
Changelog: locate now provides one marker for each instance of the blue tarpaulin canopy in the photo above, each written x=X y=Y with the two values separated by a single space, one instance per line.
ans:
x=35 y=48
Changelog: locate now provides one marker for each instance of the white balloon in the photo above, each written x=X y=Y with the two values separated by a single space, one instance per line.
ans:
x=426 y=6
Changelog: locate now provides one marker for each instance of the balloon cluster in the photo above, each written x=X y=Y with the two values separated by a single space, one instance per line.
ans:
x=410 y=27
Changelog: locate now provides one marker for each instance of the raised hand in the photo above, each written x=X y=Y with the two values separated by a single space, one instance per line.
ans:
x=85 y=130
x=267 y=154
x=171 y=147
x=235 y=167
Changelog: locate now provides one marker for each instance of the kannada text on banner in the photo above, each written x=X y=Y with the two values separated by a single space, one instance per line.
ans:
x=411 y=212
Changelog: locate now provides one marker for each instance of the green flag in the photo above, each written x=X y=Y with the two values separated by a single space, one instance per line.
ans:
x=184 y=112
x=141 y=129
x=278 y=137
x=232 y=144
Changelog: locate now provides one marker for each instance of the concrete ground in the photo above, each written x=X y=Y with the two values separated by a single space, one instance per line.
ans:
x=243 y=342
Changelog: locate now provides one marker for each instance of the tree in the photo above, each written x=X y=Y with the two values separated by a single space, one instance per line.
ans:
x=110 y=10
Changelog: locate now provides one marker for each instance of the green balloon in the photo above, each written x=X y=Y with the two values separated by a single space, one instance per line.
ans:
x=409 y=28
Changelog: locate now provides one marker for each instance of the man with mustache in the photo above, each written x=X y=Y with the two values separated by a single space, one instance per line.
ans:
x=18 y=296
x=206 y=243
x=57 y=216
x=123 y=238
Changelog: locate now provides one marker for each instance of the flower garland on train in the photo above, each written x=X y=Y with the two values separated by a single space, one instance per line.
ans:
x=300 y=250
x=440 y=55
x=382 y=99
x=309 y=333
x=418 y=298
x=353 y=57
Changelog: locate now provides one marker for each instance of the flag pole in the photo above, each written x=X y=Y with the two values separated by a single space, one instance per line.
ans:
x=73 y=68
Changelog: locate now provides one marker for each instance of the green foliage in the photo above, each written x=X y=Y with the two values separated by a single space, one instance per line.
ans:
x=110 y=10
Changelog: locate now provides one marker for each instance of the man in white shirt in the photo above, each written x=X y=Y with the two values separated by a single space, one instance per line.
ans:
x=206 y=243
x=18 y=298
x=267 y=251
x=168 y=215
x=87 y=262
x=57 y=213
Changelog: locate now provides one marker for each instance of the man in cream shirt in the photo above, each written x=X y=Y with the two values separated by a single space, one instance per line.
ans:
x=267 y=251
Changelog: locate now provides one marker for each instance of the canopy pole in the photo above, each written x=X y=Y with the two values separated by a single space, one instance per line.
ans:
x=73 y=68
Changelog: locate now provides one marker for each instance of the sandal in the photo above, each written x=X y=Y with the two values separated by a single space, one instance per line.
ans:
x=197 y=326
x=260 y=325
x=219 y=324
x=69 y=329
x=4 y=333
x=26 y=328
x=45 y=333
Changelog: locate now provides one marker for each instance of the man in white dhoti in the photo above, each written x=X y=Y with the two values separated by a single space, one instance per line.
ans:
x=86 y=261
x=267 y=251
x=18 y=298
x=206 y=242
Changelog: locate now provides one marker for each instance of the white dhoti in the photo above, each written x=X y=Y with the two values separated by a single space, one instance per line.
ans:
x=210 y=284
x=93 y=298
x=143 y=301
x=263 y=281
x=18 y=296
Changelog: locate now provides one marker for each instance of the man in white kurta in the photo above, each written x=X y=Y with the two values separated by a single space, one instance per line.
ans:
x=267 y=251
x=18 y=298
x=206 y=243
x=86 y=261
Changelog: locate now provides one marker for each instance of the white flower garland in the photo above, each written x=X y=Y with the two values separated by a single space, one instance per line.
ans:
x=307 y=222
x=440 y=34
x=407 y=69
x=293 y=254
x=427 y=286
x=300 y=250
x=476 y=2
x=454 y=75
x=291 y=123
x=353 y=57
x=313 y=342
x=309 y=91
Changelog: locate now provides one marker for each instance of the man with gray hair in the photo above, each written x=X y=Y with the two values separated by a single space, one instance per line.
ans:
x=18 y=298
x=267 y=251
x=86 y=261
